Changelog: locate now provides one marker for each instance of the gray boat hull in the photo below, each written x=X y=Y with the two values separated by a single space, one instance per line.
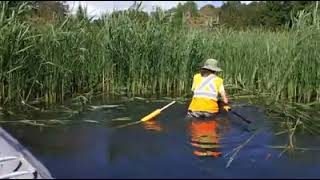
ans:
x=16 y=162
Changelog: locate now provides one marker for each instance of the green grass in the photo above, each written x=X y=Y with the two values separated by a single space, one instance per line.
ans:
x=53 y=62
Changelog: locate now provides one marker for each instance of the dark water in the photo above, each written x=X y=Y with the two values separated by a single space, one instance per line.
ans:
x=167 y=147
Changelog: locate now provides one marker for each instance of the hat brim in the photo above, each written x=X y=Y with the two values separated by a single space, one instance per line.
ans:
x=217 y=69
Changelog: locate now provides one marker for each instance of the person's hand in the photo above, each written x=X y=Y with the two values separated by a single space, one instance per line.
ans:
x=227 y=108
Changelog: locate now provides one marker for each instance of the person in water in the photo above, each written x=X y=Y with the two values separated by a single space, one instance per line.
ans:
x=206 y=87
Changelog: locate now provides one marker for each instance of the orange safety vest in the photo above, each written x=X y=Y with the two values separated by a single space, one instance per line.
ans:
x=205 y=93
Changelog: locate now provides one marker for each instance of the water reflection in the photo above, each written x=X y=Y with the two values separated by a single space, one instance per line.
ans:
x=206 y=134
x=162 y=148
x=152 y=125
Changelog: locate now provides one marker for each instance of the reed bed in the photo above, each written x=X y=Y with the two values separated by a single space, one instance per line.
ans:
x=65 y=59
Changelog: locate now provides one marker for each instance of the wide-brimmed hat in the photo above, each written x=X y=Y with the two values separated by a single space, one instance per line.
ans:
x=212 y=65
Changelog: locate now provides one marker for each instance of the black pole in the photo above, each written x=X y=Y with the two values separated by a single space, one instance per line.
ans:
x=244 y=119
x=221 y=104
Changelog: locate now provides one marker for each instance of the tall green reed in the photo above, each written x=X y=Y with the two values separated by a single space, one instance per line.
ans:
x=67 y=58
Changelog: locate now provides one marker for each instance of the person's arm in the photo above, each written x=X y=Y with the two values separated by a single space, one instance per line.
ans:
x=225 y=98
x=223 y=94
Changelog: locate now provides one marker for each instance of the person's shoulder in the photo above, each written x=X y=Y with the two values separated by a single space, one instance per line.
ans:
x=219 y=78
x=198 y=75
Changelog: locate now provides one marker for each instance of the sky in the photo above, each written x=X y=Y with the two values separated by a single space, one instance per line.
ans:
x=96 y=8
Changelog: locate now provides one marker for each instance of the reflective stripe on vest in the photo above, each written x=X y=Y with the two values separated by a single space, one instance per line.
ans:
x=201 y=92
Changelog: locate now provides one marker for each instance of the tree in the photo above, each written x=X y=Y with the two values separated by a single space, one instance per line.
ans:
x=182 y=11
x=252 y=14
x=278 y=13
x=231 y=14
x=191 y=8
x=209 y=10
x=49 y=10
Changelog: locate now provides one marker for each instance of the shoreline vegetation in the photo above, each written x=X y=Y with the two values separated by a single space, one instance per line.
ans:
x=74 y=58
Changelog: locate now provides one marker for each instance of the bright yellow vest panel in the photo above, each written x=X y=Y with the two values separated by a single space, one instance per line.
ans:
x=203 y=103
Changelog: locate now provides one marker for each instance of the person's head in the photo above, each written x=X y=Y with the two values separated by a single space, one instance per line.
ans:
x=210 y=67
x=206 y=72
